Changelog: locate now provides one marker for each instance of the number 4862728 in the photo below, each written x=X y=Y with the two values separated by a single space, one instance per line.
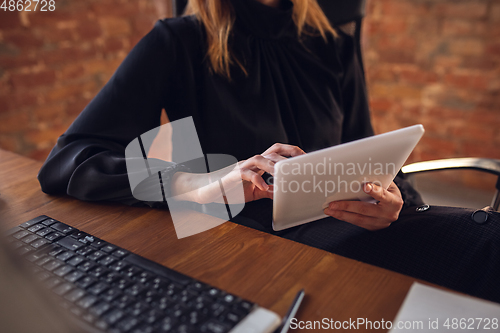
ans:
x=28 y=5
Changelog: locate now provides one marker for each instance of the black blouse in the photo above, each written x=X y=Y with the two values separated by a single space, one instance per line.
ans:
x=303 y=92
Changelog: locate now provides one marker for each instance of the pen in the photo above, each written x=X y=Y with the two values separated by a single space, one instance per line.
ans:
x=285 y=324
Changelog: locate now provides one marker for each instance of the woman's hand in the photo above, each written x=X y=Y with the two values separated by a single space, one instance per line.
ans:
x=206 y=188
x=367 y=215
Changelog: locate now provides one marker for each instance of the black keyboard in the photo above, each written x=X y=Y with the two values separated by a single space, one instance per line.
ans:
x=115 y=290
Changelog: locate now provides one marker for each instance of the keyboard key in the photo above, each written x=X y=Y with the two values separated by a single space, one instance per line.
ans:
x=33 y=221
x=120 y=253
x=123 y=301
x=118 y=266
x=70 y=243
x=39 y=243
x=108 y=248
x=74 y=295
x=113 y=316
x=86 y=301
x=213 y=326
x=36 y=227
x=157 y=269
x=167 y=324
x=75 y=261
x=64 y=256
x=98 y=288
x=85 y=251
x=127 y=324
x=86 y=266
x=138 y=308
x=98 y=271
x=96 y=255
x=43 y=260
x=85 y=282
x=44 y=232
x=111 y=294
x=62 y=289
x=62 y=227
x=55 y=251
x=51 y=265
x=98 y=243
x=54 y=236
x=73 y=276
x=106 y=261
x=35 y=256
x=43 y=275
x=131 y=271
x=23 y=250
x=52 y=282
x=99 y=309
x=135 y=289
x=21 y=234
x=49 y=222
x=122 y=283
x=79 y=234
x=30 y=238
x=63 y=270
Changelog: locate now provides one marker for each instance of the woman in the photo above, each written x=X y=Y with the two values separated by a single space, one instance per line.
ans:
x=253 y=73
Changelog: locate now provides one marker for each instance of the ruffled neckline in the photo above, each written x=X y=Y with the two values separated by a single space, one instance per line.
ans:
x=263 y=21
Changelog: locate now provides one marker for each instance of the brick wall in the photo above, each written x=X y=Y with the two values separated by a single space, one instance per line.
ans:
x=53 y=63
x=437 y=62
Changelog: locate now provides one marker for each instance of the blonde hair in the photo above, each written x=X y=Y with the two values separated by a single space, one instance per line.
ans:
x=217 y=16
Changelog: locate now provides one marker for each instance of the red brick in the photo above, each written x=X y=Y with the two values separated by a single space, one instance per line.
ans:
x=10 y=142
x=404 y=8
x=114 y=26
x=30 y=80
x=493 y=48
x=71 y=71
x=114 y=45
x=89 y=30
x=69 y=54
x=127 y=9
x=461 y=27
x=143 y=23
x=17 y=61
x=22 y=39
x=468 y=9
x=417 y=76
x=70 y=91
x=48 y=113
x=444 y=148
x=39 y=154
x=10 y=20
x=380 y=104
x=20 y=99
x=13 y=122
x=467 y=80
x=75 y=107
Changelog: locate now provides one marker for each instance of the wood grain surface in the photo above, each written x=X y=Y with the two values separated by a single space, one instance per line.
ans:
x=257 y=266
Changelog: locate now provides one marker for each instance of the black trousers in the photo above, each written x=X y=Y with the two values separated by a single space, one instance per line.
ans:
x=442 y=245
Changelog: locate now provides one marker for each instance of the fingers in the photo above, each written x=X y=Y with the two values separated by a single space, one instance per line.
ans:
x=357 y=207
x=367 y=215
x=284 y=150
x=366 y=222
x=254 y=178
x=258 y=162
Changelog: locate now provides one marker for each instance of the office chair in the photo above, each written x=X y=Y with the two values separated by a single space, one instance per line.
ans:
x=348 y=16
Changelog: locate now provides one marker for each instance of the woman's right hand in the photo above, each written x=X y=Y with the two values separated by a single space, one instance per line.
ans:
x=206 y=188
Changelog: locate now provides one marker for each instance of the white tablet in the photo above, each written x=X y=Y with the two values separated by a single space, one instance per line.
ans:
x=305 y=185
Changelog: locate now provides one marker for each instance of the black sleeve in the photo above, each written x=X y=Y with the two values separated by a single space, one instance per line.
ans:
x=88 y=161
x=357 y=121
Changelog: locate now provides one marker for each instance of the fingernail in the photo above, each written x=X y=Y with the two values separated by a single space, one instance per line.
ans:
x=368 y=188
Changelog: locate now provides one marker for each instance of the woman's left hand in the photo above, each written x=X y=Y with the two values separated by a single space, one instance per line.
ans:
x=368 y=215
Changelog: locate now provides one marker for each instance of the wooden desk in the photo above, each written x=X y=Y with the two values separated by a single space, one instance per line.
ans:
x=257 y=266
